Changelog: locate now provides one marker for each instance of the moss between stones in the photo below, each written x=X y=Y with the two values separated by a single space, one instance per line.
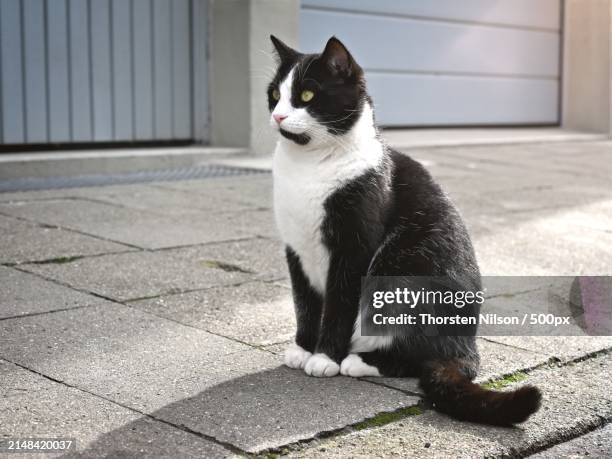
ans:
x=58 y=260
x=387 y=417
x=505 y=381
x=224 y=266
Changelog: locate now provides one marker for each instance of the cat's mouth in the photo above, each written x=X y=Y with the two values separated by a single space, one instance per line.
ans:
x=300 y=139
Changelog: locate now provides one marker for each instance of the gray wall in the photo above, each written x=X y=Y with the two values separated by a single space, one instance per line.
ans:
x=102 y=70
x=587 y=73
x=242 y=65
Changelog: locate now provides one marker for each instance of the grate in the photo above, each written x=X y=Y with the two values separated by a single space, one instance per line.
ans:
x=168 y=175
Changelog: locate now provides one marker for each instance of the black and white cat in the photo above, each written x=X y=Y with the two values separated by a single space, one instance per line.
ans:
x=348 y=206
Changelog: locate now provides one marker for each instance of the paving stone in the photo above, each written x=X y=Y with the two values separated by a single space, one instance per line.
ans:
x=555 y=300
x=575 y=399
x=513 y=154
x=118 y=352
x=38 y=195
x=510 y=286
x=141 y=228
x=33 y=406
x=163 y=201
x=257 y=313
x=480 y=166
x=528 y=214
x=567 y=196
x=23 y=294
x=595 y=444
x=185 y=376
x=253 y=191
x=587 y=162
x=264 y=257
x=22 y=242
x=561 y=347
x=496 y=360
x=271 y=406
x=142 y=274
x=558 y=244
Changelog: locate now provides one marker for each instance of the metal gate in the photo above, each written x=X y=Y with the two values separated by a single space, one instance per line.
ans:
x=448 y=62
x=102 y=71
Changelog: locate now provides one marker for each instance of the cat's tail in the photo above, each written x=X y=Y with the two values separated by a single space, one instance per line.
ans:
x=453 y=393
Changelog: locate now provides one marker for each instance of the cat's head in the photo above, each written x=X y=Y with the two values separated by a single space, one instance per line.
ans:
x=314 y=98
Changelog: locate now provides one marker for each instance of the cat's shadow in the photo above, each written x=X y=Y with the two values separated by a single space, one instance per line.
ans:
x=262 y=410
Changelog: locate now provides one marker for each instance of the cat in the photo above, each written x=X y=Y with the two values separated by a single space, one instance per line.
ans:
x=348 y=206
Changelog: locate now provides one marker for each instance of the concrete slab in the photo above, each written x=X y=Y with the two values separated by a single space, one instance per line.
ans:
x=498 y=360
x=554 y=244
x=276 y=405
x=549 y=300
x=34 y=406
x=532 y=209
x=264 y=257
x=162 y=201
x=595 y=444
x=590 y=159
x=21 y=242
x=278 y=348
x=118 y=352
x=498 y=169
x=37 y=195
x=565 y=412
x=140 y=228
x=143 y=274
x=111 y=161
x=257 y=313
x=568 y=196
x=254 y=191
x=505 y=180
x=23 y=294
x=419 y=138
x=561 y=347
x=527 y=152
x=186 y=376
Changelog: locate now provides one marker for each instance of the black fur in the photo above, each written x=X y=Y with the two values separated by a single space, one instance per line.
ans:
x=300 y=139
x=390 y=221
x=308 y=304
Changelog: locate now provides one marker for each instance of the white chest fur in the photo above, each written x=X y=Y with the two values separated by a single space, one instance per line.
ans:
x=303 y=179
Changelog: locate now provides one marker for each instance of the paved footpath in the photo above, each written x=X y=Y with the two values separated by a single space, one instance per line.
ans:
x=150 y=319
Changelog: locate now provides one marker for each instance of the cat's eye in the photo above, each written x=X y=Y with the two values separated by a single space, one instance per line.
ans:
x=275 y=94
x=306 y=96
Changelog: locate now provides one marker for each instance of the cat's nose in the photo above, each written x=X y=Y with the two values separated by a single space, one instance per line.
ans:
x=279 y=118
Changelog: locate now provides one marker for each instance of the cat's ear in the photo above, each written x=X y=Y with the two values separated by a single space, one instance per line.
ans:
x=285 y=53
x=338 y=59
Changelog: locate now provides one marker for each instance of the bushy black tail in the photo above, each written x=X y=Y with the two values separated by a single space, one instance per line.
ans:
x=453 y=393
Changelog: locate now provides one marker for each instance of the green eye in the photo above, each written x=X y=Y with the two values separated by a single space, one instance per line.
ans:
x=275 y=94
x=307 y=96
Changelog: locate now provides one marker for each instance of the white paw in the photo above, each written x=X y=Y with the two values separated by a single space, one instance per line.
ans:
x=296 y=356
x=320 y=365
x=354 y=366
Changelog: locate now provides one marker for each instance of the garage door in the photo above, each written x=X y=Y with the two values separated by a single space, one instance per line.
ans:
x=448 y=62
x=102 y=71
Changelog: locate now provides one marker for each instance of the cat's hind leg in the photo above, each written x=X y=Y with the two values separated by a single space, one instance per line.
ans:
x=386 y=363
x=354 y=366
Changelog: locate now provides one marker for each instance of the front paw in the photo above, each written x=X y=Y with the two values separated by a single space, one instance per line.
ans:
x=320 y=365
x=296 y=356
